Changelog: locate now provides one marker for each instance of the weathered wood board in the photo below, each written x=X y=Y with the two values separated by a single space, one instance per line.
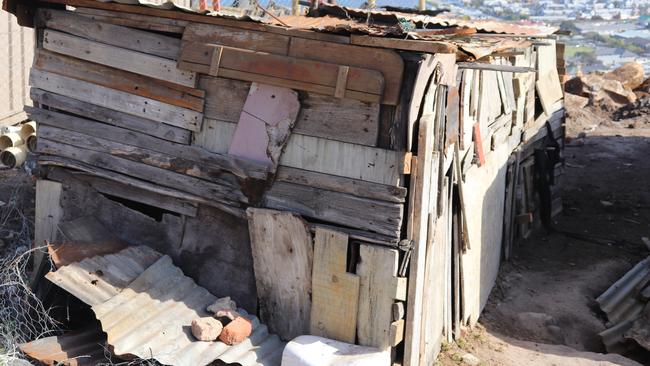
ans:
x=379 y=288
x=346 y=120
x=238 y=167
x=117 y=100
x=163 y=177
x=109 y=77
x=112 y=117
x=119 y=58
x=313 y=76
x=282 y=256
x=343 y=159
x=334 y=183
x=46 y=218
x=138 y=21
x=117 y=189
x=548 y=84
x=388 y=62
x=115 y=35
x=423 y=188
x=335 y=292
x=236 y=37
x=338 y=208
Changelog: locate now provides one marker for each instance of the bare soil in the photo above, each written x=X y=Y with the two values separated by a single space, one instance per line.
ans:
x=542 y=310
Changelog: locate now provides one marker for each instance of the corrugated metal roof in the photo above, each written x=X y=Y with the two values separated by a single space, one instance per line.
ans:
x=407 y=22
x=150 y=316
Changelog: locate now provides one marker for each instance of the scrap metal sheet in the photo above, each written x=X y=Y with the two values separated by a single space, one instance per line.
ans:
x=150 y=316
x=73 y=349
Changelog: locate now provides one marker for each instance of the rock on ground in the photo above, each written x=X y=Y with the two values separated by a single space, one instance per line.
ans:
x=206 y=329
x=631 y=75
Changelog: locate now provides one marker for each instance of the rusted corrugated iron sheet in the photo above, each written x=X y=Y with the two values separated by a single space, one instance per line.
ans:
x=75 y=348
x=150 y=316
x=410 y=21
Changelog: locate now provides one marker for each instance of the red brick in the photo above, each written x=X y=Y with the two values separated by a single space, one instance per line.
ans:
x=236 y=331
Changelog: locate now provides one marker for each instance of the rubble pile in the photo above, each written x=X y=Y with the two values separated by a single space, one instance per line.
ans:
x=620 y=91
x=639 y=108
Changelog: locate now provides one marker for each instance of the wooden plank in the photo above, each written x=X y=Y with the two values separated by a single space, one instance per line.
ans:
x=236 y=37
x=116 y=100
x=377 y=269
x=201 y=18
x=144 y=22
x=494 y=67
x=396 y=332
x=215 y=136
x=47 y=216
x=346 y=120
x=57 y=161
x=241 y=168
x=112 y=117
x=388 y=62
x=136 y=154
x=163 y=177
x=354 y=187
x=365 y=236
x=283 y=71
x=116 y=189
x=282 y=67
x=282 y=257
x=224 y=98
x=119 y=58
x=404 y=44
x=548 y=83
x=421 y=191
x=343 y=159
x=338 y=208
x=335 y=292
x=425 y=70
x=115 y=35
x=117 y=79
x=265 y=124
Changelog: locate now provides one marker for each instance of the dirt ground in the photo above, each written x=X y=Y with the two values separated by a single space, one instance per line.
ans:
x=542 y=310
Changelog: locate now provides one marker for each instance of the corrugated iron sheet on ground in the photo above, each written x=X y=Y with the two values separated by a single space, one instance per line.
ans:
x=74 y=348
x=623 y=304
x=620 y=302
x=150 y=316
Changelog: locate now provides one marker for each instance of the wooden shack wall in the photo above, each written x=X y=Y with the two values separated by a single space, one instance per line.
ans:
x=152 y=153
x=16 y=53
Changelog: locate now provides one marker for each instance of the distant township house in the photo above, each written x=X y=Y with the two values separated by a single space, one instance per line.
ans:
x=354 y=175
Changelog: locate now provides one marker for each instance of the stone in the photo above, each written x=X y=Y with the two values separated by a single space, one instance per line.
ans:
x=230 y=314
x=643 y=88
x=631 y=75
x=236 y=331
x=224 y=303
x=608 y=94
x=470 y=359
x=206 y=329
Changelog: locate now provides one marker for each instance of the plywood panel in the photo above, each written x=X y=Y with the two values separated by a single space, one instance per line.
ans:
x=335 y=292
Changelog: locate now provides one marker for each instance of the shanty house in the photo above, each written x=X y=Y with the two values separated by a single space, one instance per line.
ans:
x=356 y=175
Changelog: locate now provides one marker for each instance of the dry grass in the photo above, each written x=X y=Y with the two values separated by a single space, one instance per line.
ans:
x=22 y=316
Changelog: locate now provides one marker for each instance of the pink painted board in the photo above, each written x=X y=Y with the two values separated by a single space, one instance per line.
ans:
x=267 y=109
x=272 y=104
